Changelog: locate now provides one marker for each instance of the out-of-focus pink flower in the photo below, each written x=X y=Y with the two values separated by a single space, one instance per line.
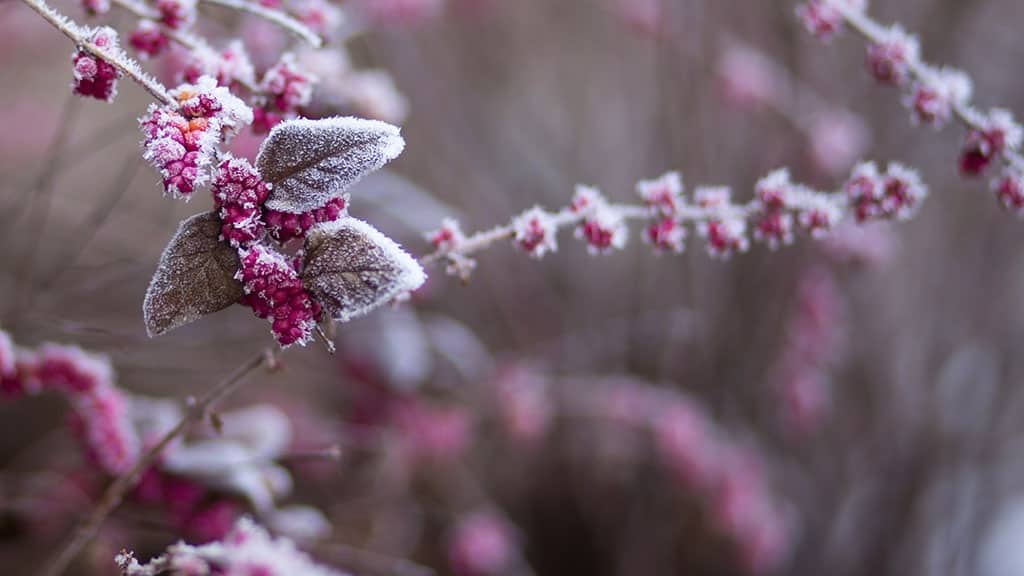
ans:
x=999 y=131
x=837 y=139
x=865 y=244
x=523 y=403
x=748 y=78
x=482 y=544
x=536 y=232
x=686 y=444
x=432 y=433
x=889 y=60
x=399 y=12
x=644 y=17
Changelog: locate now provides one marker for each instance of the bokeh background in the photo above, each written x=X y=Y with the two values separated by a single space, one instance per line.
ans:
x=525 y=396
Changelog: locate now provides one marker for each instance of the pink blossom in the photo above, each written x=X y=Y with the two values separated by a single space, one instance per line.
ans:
x=288 y=88
x=399 y=12
x=147 y=39
x=822 y=18
x=535 y=232
x=523 y=403
x=177 y=14
x=666 y=235
x=1009 y=188
x=603 y=228
x=482 y=544
x=937 y=94
x=686 y=444
x=998 y=132
x=748 y=78
x=663 y=195
x=433 y=433
x=448 y=237
x=890 y=58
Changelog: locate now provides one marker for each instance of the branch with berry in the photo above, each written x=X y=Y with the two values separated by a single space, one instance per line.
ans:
x=935 y=96
x=779 y=209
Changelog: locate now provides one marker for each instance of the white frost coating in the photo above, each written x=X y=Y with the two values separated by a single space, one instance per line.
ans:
x=247 y=549
x=195 y=277
x=310 y=162
x=352 y=268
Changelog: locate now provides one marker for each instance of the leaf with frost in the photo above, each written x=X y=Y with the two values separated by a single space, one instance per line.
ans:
x=310 y=162
x=351 y=268
x=195 y=277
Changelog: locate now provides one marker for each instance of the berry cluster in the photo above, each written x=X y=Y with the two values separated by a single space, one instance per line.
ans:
x=96 y=77
x=285 y=88
x=99 y=418
x=935 y=96
x=274 y=291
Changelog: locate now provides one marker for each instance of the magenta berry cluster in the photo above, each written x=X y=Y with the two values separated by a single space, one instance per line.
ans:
x=286 y=88
x=95 y=77
x=274 y=291
x=99 y=418
x=934 y=96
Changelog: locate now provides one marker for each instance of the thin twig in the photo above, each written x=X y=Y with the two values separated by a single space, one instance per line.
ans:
x=275 y=16
x=112 y=497
x=189 y=41
x=566 y=218
x=128 y=67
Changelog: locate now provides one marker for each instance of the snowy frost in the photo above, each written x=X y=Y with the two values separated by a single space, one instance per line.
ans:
x=351 y=268
x=310 y=162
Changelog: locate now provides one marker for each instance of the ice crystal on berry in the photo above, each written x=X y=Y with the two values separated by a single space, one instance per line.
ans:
x=663 y=195
x=535 y=232
x=999 y=131
x=239 y=193
x=274 y=291
x=147 y=39
x=890 y=58
x=95 y=77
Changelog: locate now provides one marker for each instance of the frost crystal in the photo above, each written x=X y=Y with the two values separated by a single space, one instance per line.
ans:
x=195 y=277
x=663 y=195
x=890 y=58
x=228 y=66
x=603 y=228
x=310 y=162
x=999 y=132
x=351 y=268
x=535 y=232
x=148 y=40
x=285 y=226
x=238 y=194
x=95 y=77
x=247 y=549
x=274 y=291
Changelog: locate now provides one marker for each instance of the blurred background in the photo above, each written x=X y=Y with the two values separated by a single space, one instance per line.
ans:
x=851 y=406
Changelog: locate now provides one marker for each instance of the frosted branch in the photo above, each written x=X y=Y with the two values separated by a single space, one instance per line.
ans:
x=117 y=59
x=275 y=16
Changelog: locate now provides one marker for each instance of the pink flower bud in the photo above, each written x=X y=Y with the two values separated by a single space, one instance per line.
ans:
x=177 y=14
x=535 y=232
x=666 y=235
x=147 y=39
x=998 y=132
x=890 y=59
x=239 y=193
x=603 y=228
x=934 y=97
x=1009 y=188
x=448 y=237
x=663 y=195
x=482 y=544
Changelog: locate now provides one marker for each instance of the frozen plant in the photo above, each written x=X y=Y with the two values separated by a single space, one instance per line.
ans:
x=779 y=210
x=247 y=549
x=934 y=95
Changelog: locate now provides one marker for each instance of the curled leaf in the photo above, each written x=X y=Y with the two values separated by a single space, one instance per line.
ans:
x=351 y=268
x=310 y=162
x=195 y=277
